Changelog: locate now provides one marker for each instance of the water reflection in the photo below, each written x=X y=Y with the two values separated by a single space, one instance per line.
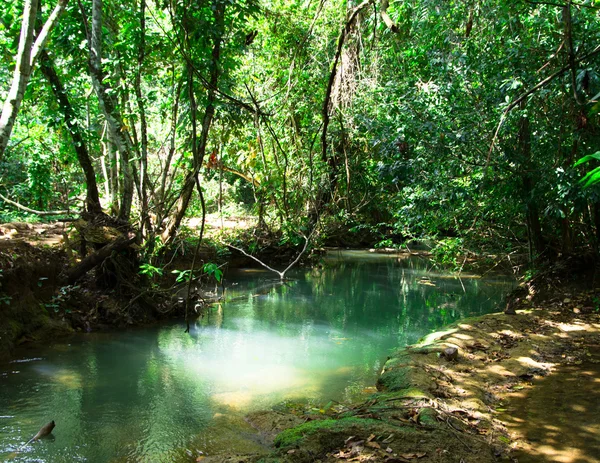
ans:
x=141 y=395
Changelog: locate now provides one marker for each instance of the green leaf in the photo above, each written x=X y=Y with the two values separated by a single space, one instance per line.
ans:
x=588 y=158
x=591 y=178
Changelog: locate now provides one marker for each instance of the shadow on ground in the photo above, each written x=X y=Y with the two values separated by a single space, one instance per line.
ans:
x=560 y=422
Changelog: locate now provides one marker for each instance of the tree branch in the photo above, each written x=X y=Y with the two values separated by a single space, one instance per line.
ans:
x=533 y=89
x=32 y=211
x=42 y=37
x=391 y=25
x=282 y=273
x=550 y=78
x=562 y=5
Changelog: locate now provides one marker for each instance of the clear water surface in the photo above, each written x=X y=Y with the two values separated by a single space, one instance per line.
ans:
x=142 y=395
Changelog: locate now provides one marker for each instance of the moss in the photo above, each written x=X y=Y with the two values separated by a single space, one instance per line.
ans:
x=400 y=358
x=409 y=393
x=396 y=379
x=16 y=328
x=293 y=436
x=428 y=417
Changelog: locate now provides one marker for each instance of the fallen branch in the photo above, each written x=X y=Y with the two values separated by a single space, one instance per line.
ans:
x=282 y=273
x=32 y=211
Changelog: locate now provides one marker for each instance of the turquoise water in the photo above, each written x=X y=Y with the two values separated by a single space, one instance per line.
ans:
x=146 y=394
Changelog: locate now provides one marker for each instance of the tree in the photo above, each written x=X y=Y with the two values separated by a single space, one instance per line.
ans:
x=27 y=55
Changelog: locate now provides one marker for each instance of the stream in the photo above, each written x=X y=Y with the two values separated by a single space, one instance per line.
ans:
x=145 y=394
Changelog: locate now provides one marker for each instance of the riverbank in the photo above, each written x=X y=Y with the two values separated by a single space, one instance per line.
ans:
x=459 y=395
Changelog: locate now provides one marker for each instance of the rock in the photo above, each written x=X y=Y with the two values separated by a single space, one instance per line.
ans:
x=450 y=353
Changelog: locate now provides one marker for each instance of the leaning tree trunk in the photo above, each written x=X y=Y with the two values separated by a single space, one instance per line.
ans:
x=92 y=199
x=199 y=146
x=144 y=213
x=27 y=54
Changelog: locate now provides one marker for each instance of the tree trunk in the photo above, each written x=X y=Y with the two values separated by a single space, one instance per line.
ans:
x=21 y=75
x=145 y=223
x=165 y=186
x=325 y=193
x=117 y=132
x=386 y=17
x=92 y=199
x=199 y=146
x=534 y=227
x=27 y=54
x=99 y=256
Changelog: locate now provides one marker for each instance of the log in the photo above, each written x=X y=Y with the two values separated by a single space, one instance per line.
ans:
x=95 y=259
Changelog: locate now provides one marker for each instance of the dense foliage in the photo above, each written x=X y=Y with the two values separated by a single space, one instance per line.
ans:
x=392 y=120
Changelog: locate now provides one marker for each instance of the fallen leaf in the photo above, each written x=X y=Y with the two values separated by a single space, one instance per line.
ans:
x=388 y=439
x=371 y=437
x=412 y=456
x=373 y=445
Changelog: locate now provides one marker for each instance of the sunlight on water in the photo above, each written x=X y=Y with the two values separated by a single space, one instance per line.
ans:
x=144 y=395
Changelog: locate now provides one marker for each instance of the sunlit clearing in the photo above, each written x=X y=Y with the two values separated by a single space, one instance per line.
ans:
x=568 y=455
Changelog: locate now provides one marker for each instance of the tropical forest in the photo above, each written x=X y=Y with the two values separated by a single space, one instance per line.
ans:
x=260 y=231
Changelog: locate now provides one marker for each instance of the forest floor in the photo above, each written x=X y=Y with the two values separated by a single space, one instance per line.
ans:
x=51 y=234
x=518 y=387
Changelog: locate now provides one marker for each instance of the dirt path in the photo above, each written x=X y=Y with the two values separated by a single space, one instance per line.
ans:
x=35 y=234
x=557 y=418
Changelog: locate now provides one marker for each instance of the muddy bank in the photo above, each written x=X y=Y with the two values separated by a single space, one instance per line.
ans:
x=37 y=303
x=451 y=397
x=28 y=281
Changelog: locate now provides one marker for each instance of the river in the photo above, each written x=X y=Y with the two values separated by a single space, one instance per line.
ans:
x=145 y=394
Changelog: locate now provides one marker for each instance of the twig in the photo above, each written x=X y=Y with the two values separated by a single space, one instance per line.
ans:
x=282 y=273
